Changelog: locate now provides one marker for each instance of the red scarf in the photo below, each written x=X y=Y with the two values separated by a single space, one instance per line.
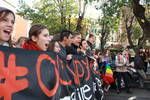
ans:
x=30 y=45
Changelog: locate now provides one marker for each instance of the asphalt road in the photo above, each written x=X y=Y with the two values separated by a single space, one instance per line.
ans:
x=137 y=94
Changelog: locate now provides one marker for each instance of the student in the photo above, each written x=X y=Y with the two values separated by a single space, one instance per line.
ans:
x=74 y=47
x=121 y=72
x=139 y=66
x=7 y=20
x=83 y=47
x=91 y=41
x=91 y=44
x=54 y=46
x=64 y=41
x=38 y=38
x=65 y=38
x=20 y=42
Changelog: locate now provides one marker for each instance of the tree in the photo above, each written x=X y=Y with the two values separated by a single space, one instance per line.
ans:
x=108 y=22
x=81 y=13
x=104 y=33
x=55 y=14
x=128 y=19
x=139 y=12
x=136 y=12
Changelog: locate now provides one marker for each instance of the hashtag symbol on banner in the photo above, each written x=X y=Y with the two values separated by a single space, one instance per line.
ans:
x=9 y=85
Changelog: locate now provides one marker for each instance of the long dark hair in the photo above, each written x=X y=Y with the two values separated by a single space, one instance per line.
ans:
x=81 y=43
x=51 y=45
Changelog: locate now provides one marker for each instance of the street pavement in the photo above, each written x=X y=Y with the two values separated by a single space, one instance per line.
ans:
x=137 y=94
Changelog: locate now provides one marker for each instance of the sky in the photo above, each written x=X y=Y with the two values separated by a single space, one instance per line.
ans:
x=91 y=12
x=16 y=2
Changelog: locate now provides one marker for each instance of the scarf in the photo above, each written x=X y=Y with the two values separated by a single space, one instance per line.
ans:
x=30 y=45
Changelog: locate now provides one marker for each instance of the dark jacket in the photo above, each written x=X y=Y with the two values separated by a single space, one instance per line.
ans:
x=72 y=49
x=138 y=62
x=62 y=54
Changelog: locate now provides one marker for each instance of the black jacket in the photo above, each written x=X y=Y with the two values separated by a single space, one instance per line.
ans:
x=62 y=54
x=72 y=49
x=138 y=62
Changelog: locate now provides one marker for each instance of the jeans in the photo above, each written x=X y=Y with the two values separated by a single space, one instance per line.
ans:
x=141 y=73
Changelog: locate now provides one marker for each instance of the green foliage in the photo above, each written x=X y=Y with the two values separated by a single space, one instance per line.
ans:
x=111 y=12
x=136 y=32
x=110 y=20
x=50 y=13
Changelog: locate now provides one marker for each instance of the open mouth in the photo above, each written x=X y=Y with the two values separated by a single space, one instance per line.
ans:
x=7 y=32
x=46 y=44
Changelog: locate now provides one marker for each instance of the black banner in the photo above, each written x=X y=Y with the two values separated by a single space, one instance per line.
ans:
x=34 y=75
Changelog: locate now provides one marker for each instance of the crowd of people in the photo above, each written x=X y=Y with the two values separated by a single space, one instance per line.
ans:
x=67 y=44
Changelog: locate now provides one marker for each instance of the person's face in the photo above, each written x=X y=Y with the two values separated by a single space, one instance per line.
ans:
x=42 y=39
x=141 y=50
x=6 y=27
x=146 y=50
x=69 y=40
x=92 y=40
x=77 y=40
x=127 y=50
x=84 y=45
x=56 y=47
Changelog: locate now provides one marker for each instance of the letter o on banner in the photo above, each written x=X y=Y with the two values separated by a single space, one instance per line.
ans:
x=46 y=91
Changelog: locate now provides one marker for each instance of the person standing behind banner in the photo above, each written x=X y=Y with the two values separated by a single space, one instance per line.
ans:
x=7 y=20
x=65 y=40
x=91 y=45
x=74 y=48
x=20 y=42
x=38 y=38
x=91 y=41
x=83 y=47
x=54 y=46
x=83 y=52
x=97 y=89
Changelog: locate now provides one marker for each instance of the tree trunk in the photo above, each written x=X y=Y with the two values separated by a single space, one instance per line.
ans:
x=79 y=22
x=62 y=13
x=81 y=16
x=128 y=29
x=139 y=12
x=69 y=23
x=103 y=36
x=102 y=44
